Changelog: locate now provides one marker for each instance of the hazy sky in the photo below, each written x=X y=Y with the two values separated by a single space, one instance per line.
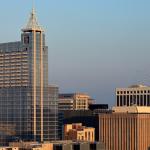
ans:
x=94 y=45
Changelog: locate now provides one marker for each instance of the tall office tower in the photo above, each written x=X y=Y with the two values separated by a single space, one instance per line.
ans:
x=53 y=91
x=134 y=95
x=24 y=86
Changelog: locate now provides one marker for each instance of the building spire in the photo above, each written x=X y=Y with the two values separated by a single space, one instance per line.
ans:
x=32 y=3
x=32 y=23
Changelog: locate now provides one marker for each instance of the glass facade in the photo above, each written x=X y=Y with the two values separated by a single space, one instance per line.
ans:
x=53 y=113
x=25 y=108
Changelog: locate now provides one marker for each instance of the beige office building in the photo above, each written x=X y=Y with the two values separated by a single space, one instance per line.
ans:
x=127 y=128
x=74 y=101
x=134 y=95
x=78 y=132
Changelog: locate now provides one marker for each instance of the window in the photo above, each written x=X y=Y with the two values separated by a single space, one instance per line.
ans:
x=117 y=100
x=138 y=100
x=26 y=39
x=121 y=101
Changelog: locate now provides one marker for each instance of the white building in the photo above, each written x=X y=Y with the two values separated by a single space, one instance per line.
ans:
x=134 y=95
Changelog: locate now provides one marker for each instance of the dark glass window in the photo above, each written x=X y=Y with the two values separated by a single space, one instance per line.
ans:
x=26 y=39
x=127 y=100
x=141 y=100
x=121 y=101
x=76 y=147
x=131 y=100
x=117 y=100
x=144 y=100
x=124 y=100
x=138 y=100
x=148 y=100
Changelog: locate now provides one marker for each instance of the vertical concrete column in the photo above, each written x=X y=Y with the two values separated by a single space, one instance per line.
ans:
x=41 y=65
x=34 y=82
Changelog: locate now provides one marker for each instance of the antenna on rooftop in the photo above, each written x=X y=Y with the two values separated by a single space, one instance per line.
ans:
x=32 y=22
x=33 y=4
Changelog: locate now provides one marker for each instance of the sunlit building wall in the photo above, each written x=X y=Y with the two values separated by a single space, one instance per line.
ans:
x=78 y=132
x=127 y=128
x=74 y=101
x=134 y=95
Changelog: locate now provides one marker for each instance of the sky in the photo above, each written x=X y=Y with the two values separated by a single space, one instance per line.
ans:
x=95 y=46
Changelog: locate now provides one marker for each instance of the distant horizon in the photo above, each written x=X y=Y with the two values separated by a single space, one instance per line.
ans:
x=94 y=46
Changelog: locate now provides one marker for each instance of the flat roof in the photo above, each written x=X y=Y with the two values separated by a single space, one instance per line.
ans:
x=131 y=109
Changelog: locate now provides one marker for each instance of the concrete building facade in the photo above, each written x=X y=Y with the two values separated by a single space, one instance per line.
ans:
x=78 y=132
x=126 y=128
x=55 y=145
x=74 y=101
x=135 y=94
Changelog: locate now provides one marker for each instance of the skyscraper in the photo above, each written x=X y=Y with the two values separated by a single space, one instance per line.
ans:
x=24 y=107
x=53 y=116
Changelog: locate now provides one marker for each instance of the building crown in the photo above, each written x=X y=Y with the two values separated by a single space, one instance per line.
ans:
x=32 y=23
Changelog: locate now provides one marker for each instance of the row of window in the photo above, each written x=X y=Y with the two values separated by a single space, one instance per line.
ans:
x=13 y=85
x=133 y=92
x=140 y=100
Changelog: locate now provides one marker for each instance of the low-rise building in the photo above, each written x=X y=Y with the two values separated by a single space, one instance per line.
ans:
x=98 y=108
x=78 y=132
x=74 y=101
x=88 y=118
x=56 y=145
x=32 y=145
x=9 y=148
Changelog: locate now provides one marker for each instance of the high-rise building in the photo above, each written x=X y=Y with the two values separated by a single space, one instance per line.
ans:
x=24 y=104
x=134 y=95
x=53 y=91
x=74 y=101
x=126 y=128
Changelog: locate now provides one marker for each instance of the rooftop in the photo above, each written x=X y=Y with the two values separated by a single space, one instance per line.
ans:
x=70 y=95
x=132 y=109
x=137 y=86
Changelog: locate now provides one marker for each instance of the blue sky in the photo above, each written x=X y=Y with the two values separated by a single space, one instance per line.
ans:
x=94 y=45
